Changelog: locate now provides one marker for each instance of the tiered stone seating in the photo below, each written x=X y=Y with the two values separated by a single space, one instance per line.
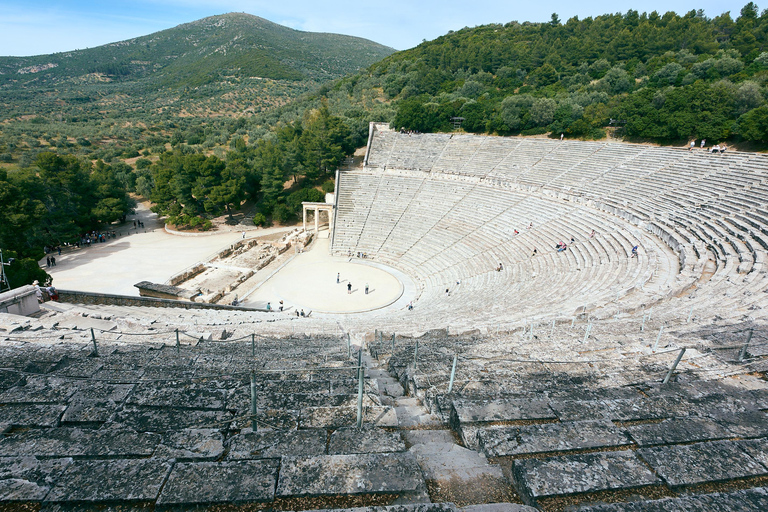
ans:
x=586 y=431
x=453 y=230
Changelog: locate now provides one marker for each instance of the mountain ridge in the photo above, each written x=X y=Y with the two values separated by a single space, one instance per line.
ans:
x=192 y=53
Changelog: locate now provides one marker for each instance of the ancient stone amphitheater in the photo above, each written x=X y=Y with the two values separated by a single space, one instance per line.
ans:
x=523 y=378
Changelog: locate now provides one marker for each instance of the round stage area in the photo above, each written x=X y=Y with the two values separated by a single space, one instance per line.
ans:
x=309 y=282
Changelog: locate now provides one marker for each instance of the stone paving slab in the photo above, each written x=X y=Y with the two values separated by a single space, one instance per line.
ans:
x=76 y=442
x=83 y=368
x=498 y=507
x=748 y=424
x=573 y=474
x=8 y=378
x=677 y=430
x=329 y=475
x=20 y=415
x=27 y=478
x=550 y=437
x=145 y=419
x=367 y=439
x=577 y=410
x=277 y=443
x=757 y=449
x=111 y=480
x=191 y=444
x=268 y=419
x=183 y=394
x=337 y=417
x=40 y=390
x=465 y=411
x=749 y=500
x=698 y=463
x=240 y=481
x=416 y=507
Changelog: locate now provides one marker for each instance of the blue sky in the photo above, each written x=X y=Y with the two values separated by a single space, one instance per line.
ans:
x=37 y=27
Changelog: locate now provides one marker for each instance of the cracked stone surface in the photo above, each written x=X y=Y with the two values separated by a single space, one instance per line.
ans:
x=27 y=478
x=21 y=415
x=277 y=443
x=349 y=474
x=677 y=430
x=111 y=480
x=749 y=500
x=701 y=462
x=76 y=442
x=191 y=444
x=368 y=439
x=572 y=474
x=550 y=437
x=220 y=482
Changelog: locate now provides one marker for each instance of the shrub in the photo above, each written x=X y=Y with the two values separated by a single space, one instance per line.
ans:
x=328 y=186
x=259 y=219
x=281 y=214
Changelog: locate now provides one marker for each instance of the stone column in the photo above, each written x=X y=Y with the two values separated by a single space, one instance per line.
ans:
x=317 y=220
x=304 y=215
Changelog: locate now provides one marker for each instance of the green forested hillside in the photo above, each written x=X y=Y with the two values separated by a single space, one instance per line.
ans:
x=665 y=77
x=184 y=83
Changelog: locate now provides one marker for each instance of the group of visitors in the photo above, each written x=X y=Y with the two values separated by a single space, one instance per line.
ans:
x=717 y=148
x=50 y=261
x=96 y=237
x=45 y=293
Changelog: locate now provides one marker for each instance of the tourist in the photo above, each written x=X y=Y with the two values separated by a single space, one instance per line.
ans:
x=349 y=288
x=693 y=145
x=48 y=261
x=703 y=143
x=297 y=313
x=53 y=261
x=535 y=251
x=366 y=288
x=634 y=252
x=38 y=291
x=52 y=293
x=592 y=234
x=302 y=313
x=338 y=277
x=269 y=306
x=281 y=306
x=410 y=306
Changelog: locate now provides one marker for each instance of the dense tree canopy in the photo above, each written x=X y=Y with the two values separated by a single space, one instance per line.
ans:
x=52 y=204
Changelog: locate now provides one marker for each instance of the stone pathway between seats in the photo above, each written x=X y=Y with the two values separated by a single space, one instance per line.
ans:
x=453 y=473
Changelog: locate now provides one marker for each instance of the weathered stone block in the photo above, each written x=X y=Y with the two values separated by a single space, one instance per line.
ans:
x=20 y=415
x=489 y=411
x=677 y=430
x=367 y=439
x=111 y=480
x=573 y=474
x=144 y=419
x=336 y=417
x=186 y=394
x=28 y=479
x=240 y=481
x=550 y=437
x=329 y=475
x=277 y=443
x=75 y=442
x=191 y=444
x=701 y=462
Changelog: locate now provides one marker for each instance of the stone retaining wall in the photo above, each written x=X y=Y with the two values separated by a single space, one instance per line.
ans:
x=76 y=297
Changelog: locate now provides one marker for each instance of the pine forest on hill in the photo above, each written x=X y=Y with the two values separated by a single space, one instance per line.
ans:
x=209 y=115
